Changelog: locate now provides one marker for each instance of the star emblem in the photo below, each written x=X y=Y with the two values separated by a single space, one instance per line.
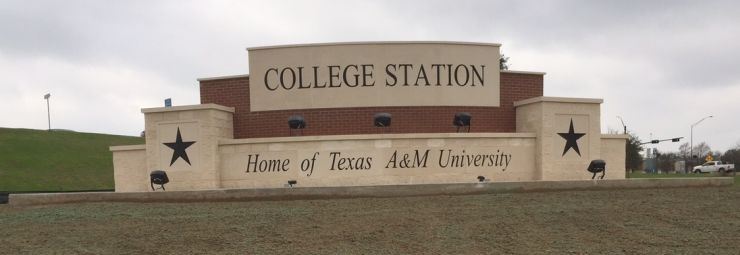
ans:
x=178 y=148
x=571 y=139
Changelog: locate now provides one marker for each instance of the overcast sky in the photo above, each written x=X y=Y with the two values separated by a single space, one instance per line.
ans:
x=660 y=65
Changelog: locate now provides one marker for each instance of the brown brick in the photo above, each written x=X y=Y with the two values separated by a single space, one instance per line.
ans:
x=234 y=92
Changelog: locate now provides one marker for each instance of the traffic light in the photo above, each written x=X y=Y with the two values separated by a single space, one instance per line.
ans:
x=655 y=141
x=676 y=139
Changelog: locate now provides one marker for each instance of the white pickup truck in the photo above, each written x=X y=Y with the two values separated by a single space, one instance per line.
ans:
x=714 y=166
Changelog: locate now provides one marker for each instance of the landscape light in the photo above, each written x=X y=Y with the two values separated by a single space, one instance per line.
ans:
x=158 y=177
x=596 y=166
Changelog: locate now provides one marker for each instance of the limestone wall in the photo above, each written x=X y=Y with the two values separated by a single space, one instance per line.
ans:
x=199 y=129
x=376 y=160
x=556 y=139
x=613 y=151
x=569 y=137
x=130 y=172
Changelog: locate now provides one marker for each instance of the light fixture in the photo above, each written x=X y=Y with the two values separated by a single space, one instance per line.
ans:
x=158 y=177
x=382 y=119
x=462 y=120
x=296 y=123
x=48 y=112
x=597 y=166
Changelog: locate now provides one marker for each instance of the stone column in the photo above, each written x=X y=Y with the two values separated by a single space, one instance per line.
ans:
x=183 y=141
x=568 y=135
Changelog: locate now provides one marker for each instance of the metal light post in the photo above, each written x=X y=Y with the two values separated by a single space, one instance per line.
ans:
x=691 y=146
x=625 y=127
x=48 y=113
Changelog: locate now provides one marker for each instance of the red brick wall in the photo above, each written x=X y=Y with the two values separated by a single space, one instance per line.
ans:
x=234 y=92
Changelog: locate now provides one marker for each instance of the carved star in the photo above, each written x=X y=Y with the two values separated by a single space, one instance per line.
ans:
x=178 y=148
x=571 y=139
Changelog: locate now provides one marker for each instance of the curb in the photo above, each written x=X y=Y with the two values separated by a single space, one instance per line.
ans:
x=361 y=191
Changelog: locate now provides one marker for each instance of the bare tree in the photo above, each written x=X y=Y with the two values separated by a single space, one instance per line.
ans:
x=701 y=150
x=717 y=154
x=667 y=161
x=732 y=156
x=684 y=150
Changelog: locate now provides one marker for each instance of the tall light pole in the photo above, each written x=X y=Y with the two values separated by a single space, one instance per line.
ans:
x=691 y=154
x=48 y=113
x=625 y=127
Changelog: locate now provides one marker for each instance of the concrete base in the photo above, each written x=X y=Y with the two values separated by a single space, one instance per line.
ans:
x=360 y=191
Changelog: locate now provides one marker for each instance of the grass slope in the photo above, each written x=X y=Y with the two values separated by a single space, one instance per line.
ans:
x=37 y=160
x=644 y=175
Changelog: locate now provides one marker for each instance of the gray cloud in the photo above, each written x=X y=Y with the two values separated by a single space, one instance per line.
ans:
x=661 y=65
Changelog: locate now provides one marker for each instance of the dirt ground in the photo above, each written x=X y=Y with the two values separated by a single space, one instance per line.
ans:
x=647 y=221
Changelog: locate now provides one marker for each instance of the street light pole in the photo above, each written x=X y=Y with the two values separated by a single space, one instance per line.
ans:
x=48 y=112
x=623 y=126
x=691 y=146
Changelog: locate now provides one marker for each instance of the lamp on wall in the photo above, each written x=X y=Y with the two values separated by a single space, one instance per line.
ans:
x=481 y=178
x=462 y=120
x=382 y=120
x=296 y=124
x=292 y=182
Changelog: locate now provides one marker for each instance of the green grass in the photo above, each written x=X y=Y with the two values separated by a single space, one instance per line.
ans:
x=646 y=175
x=38 y=160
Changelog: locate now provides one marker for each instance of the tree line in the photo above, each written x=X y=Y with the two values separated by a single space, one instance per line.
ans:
x=666 y=161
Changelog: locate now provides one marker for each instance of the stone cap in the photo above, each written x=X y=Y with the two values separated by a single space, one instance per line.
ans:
x=371 y=42
x=523 y=72
x=128 y=147
x=223 y=77
x=377 y=137
x=189 y=108
x=614 y=136
x=559 y=100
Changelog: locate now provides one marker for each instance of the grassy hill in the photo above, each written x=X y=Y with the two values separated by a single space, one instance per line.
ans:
x=38 y=160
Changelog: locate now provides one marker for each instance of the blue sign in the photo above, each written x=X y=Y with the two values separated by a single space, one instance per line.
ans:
x=168 y=102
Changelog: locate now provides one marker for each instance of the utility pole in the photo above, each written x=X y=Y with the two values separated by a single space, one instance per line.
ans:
x=691 y=149
x=48 y=112
x=623 y=126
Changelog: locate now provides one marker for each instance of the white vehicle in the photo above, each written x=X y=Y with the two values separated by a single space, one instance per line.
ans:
x=714 y=166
